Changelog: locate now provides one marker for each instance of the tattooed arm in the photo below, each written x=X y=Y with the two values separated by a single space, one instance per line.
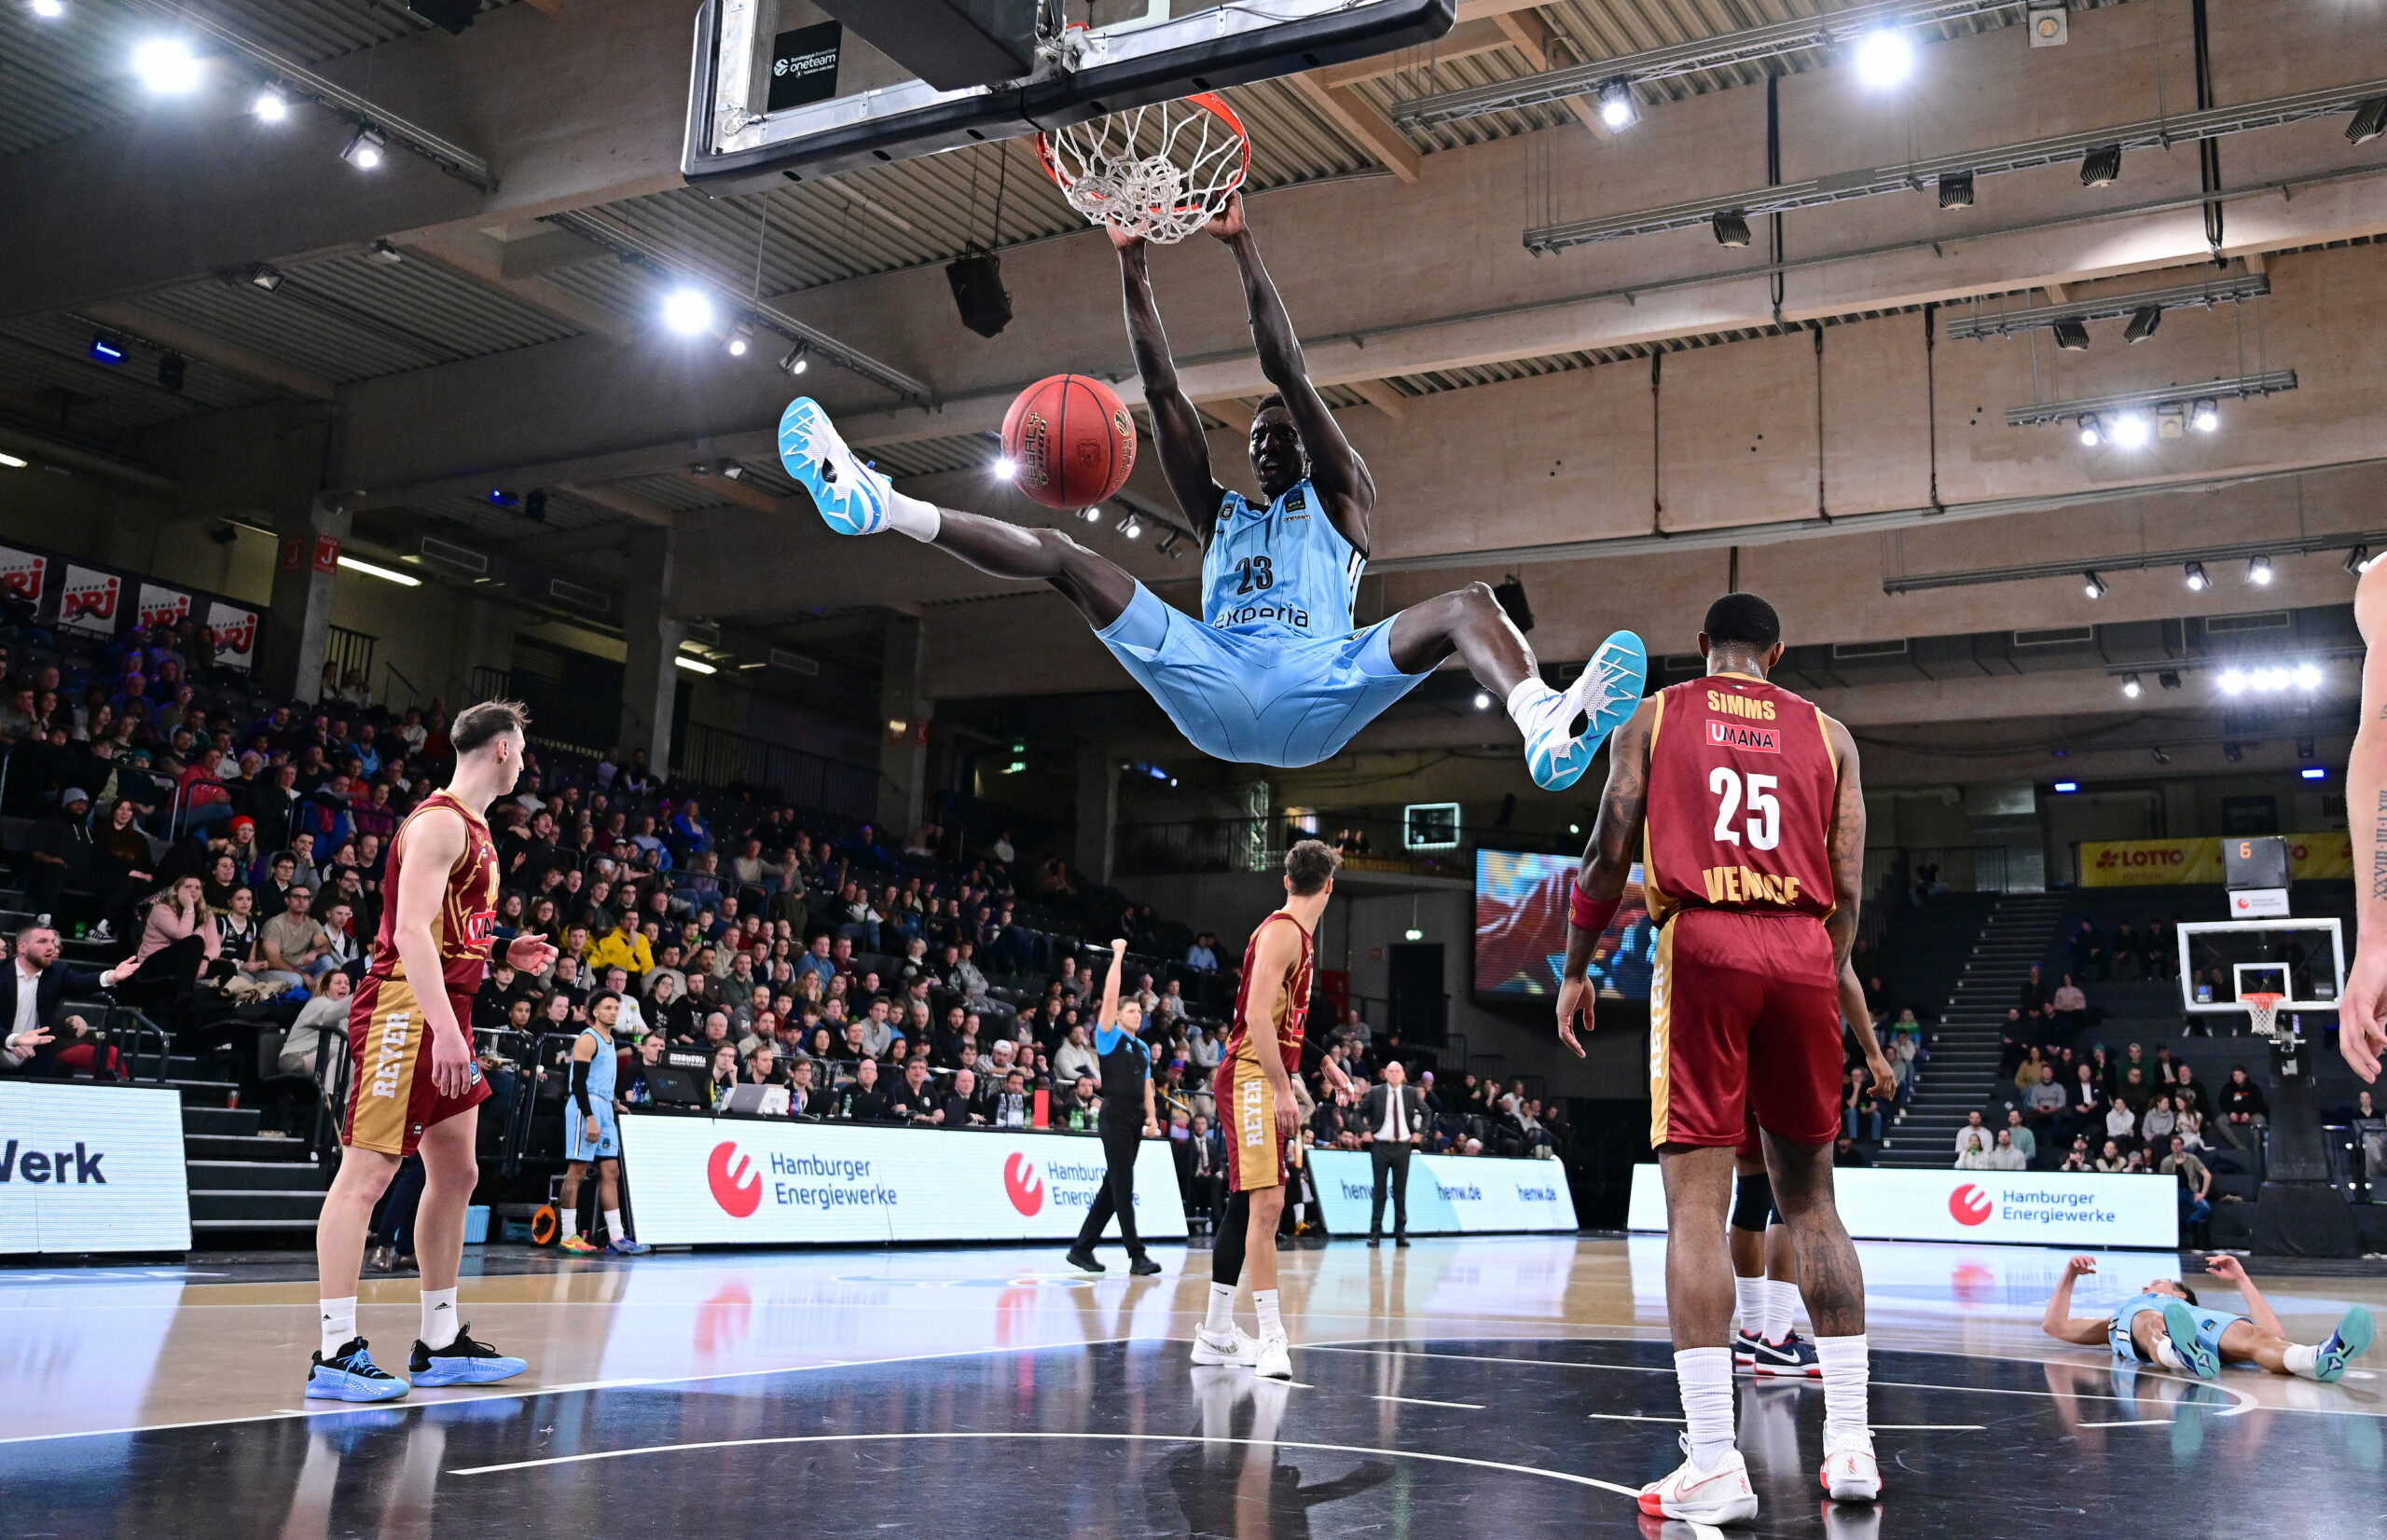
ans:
x=2362 y=1034
x=1846 y=846
x=1607 y=859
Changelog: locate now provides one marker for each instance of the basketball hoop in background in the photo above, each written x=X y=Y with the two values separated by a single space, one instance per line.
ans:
x=2262 y=1007
x=1160 y=171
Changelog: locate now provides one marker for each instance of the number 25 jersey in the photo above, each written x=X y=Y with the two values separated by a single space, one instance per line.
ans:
x=1738 y=810
x=1284 y=567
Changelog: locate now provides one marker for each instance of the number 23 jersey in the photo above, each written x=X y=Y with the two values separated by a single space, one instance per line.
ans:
x=1284 y=567
x=1743 y=780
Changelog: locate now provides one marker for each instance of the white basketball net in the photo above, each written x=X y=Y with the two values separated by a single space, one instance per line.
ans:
x=2264 y=1009
x=1160 y=171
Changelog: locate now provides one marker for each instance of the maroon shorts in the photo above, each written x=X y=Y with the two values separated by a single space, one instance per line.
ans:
x=1743 y=1029
x=392 y=1097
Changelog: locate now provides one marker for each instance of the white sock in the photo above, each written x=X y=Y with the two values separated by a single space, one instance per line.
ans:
x=912 y=516
x=1843 y=1362
x=613 y=1226
x=1221 y=1321
x=1749 y=1302
x=439 y=1317
x=2168 y=1355
x=1529 y=701
x=1263 y=1301
x=338 y=1322
x=1706 y=1378
x=2301 y=1361
x=1782 y=1308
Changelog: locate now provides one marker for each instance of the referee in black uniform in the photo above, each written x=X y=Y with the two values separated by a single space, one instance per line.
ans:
x=1124 y=1122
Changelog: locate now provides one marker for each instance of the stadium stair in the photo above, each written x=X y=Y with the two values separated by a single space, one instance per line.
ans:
x=1961 y=1072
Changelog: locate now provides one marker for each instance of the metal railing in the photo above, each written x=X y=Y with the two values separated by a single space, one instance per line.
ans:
x=714 y=756
x=351 y=652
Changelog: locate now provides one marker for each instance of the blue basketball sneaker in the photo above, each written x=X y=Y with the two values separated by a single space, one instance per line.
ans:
x=852 y=498
x=2350 y=1340
x=1607 y=693
x=462 y=1362
x=352 y=1375
x=622 y=1245
x=2183 y=1330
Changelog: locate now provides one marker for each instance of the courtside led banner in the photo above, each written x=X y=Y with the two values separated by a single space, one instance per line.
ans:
x=2054 y=1208
x=92 y=1168
x=2164 y=863
x=701 y=1181
x=1448 y=1194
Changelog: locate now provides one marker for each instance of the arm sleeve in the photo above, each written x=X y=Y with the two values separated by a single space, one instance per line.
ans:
x=580 y=1087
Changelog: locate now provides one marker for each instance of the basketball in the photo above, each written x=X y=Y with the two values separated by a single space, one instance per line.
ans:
x=1070 y=441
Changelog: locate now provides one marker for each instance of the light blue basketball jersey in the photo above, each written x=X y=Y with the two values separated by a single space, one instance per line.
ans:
x=2211 y=1324
x=1283 y=568
x=603 y=1067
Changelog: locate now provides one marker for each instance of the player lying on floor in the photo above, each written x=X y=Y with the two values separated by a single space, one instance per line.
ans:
x=2164 y=1325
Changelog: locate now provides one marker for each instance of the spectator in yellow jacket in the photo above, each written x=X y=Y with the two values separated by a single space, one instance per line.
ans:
x=624 y=948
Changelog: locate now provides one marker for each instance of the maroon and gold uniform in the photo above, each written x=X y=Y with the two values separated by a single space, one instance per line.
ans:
x=1246 y=1102
x=392 y=1097
x=1744 y=1001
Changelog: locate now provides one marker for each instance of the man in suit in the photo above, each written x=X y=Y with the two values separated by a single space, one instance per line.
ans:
x=1393 y=1121
x=32 y=987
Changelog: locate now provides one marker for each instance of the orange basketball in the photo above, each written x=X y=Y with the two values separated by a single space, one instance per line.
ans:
x=1069 y=442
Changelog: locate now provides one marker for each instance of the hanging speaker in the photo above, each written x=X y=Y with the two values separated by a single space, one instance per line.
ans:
x=1510 y=593
x=978 y=291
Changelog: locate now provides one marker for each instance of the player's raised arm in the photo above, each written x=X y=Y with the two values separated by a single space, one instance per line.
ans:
x=1608 y=862
x=2059 y=1322
x=433 y=844
x=1846 y=846
x=2362 y=1021
x=1177 y=427
x=1335 y=469
x=2229 y=1269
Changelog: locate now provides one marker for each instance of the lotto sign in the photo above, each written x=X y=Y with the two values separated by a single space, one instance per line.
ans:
x=22 y=574
x=1448 y=1194
x=92 y=1168
x=761 y=1181
x=163 y=606
x=235 y=634
x=90 y=600
x=2054 y=1208
x=2137 y=863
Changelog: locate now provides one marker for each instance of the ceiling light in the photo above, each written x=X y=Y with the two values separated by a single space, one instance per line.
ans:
x=2143 y=322
x=2358 y=561
x=1884 y=58
x=2092 y=585
x=167 y=67
x=2171 y=421
x=741 y=338
x=2093 y=433
x=688 y=311
x=1955 y=189
x=1132 y=526
x=2168 y=677
x=385 y=253
x=403 y=580
x=2198 y=581
x=12 y=462
x=2258 y=570
x=2065 y=787
x=2232 y=681
x=2205 y=416
x=2314 y=772
x=1617 y=109
x=1005 y=467
x=50 y=10
x=366 y=150
x=732 y=470
x=2131 y=430
x=269 y=106
x=2308 y=676
x=695 y=665
x=2369 y=119
x=2101 y=166
x=1414 y=934
x=1732 y=228
x=1092 y=516
x=2131 y=687
x=795 y=363
x=261 y=275
x=2072 y=337
x=106 y=350
x=1483 y=700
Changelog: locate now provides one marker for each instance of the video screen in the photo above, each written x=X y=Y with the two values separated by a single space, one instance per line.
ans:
x=1521 y=929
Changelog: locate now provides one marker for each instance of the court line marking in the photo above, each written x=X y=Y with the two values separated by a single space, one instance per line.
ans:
x=1634 y=1492
x=1874 y=1427
x=1421 y=1401
x=2132 y=1422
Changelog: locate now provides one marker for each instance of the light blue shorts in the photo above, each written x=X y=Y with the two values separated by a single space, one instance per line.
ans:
x=2211 y=1324
x=609 y=1137
x=1258 y=695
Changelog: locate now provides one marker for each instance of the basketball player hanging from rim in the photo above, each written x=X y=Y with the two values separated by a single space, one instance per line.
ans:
x=1275 y=672
x=1742 y=803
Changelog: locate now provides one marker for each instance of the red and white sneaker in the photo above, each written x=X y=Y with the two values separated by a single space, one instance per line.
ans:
x=1849 y=1473
x=1719 y=1495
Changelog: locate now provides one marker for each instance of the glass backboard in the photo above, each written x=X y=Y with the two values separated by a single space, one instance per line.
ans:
x=2222 y=961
